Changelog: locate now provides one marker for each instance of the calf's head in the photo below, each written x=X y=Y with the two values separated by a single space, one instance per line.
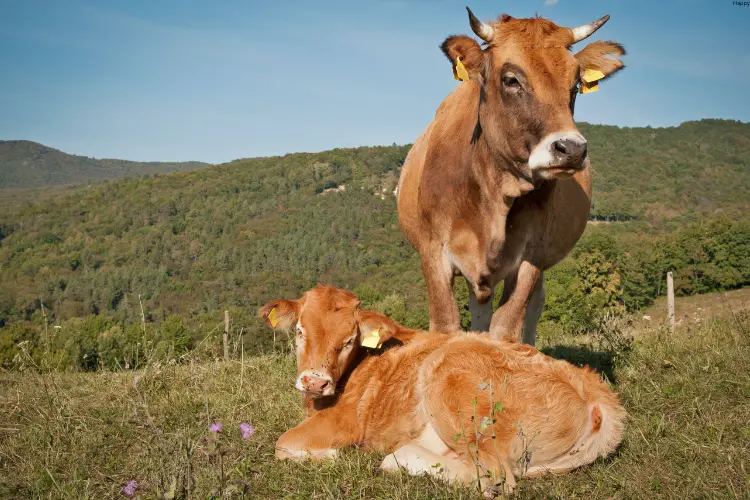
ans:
x=329 y=329
x=529 y=81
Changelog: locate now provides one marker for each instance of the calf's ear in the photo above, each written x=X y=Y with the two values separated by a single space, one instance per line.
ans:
x=374 y=328
x=281 y=314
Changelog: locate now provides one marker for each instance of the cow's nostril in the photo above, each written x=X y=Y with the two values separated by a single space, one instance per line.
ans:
x=324 y=386
x=560 y=147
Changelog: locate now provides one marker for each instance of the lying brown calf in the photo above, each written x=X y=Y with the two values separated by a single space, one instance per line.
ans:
x=454 y=406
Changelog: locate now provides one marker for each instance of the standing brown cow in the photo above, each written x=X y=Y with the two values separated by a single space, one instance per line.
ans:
x=498 y=186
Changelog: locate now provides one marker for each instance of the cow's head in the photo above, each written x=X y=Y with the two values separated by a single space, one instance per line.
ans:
x=329 y=327
x=529 y=81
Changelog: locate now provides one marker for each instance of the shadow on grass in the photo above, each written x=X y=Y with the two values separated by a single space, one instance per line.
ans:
x=602 y=362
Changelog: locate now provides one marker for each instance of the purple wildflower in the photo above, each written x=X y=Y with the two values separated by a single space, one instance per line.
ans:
x=215 y=427
x=246 y=430
x=130 y=487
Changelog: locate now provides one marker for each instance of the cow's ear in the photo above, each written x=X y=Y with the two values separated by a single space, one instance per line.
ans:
x=465 y=55
x=601 y=57
x=375 y=328
x=281 y=314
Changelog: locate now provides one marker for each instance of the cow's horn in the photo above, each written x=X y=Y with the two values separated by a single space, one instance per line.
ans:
x=483 y=31
x=587 y=30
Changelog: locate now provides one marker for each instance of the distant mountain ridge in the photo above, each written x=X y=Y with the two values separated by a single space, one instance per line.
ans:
x=697 y=167
x=28 y=164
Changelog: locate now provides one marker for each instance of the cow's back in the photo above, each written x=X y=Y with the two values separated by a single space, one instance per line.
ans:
x=408 y=187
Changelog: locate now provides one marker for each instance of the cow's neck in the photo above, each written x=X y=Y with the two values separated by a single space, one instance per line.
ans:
x=500 y=180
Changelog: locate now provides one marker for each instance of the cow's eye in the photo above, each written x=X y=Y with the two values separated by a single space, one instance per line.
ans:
x=511 y=82
x=573 y=94
x=348 y=343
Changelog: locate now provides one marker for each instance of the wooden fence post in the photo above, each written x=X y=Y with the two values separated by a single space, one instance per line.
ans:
x=670 y=301
x=226 y=335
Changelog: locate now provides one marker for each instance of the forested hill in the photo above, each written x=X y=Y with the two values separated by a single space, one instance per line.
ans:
x=698 y=167
x=242 y=233
x=27 y=164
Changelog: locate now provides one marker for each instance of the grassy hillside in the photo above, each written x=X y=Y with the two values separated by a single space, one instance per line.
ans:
x=27 y=164
x=78 y=435
x=697 y=308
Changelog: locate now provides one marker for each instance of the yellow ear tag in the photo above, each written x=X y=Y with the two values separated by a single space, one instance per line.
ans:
x=372 y=340
x=590 y=80
x=592 y=75
x=459 y=72
x=587 y=88
x=272 y=318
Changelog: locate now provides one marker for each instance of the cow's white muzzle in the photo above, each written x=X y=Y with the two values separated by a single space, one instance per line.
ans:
x=559 y=155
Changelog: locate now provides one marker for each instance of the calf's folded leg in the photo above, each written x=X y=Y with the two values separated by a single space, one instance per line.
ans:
x=318 y=437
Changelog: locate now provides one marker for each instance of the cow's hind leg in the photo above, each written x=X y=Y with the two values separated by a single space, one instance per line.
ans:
x=429 y=454
x=461 y=414
x=419 y=460
x=507 y=322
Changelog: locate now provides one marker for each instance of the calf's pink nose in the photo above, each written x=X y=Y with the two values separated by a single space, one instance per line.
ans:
x=315 y=384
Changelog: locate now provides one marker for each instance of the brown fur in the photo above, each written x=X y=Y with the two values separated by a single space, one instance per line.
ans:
x=416 y=401
x=467 y=199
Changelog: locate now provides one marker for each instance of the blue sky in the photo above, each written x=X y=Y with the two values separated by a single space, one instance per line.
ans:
x=225 y=79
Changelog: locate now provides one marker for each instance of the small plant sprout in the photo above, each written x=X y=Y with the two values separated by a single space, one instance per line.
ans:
x=485 y=429
x=484 y=422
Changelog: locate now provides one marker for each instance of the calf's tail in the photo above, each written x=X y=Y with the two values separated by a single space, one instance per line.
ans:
x=599 y=437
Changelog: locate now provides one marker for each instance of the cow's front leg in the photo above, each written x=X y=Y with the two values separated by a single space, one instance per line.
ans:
x=319 y=436
x=438 y=275
x=507 y=322
x=534 y=312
